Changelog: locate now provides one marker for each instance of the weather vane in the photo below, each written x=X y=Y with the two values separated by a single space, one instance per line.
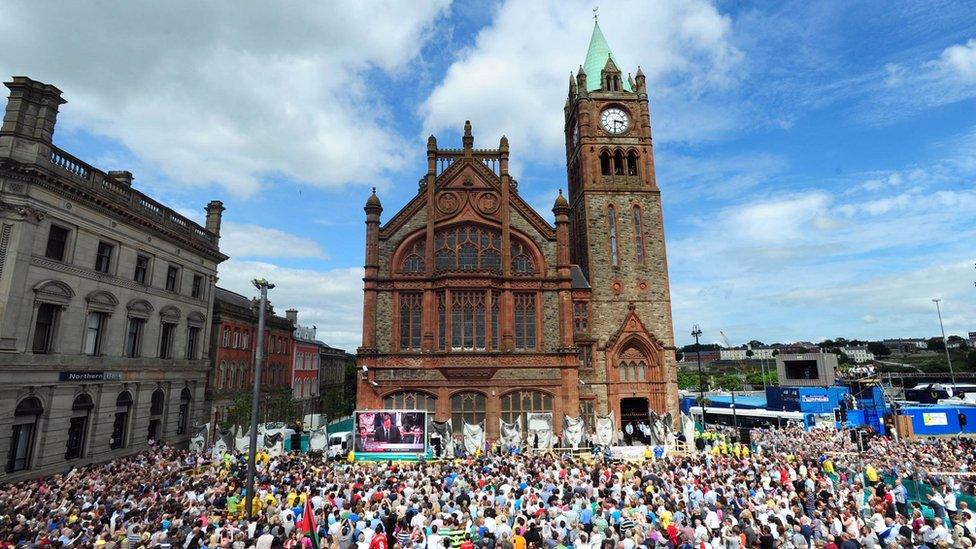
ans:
x=596 y=13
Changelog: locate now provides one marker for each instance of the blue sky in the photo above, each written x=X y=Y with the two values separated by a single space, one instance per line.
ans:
x=817 y=159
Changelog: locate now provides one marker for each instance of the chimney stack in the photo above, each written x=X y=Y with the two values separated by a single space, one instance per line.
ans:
x=32 y=109
x=214 y=210
x=123 y=176
x=292 y=316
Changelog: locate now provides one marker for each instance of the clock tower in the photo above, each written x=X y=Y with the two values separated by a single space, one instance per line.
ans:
x=617 y=239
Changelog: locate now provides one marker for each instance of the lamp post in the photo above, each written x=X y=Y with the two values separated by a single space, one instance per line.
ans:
x=262 y=285
x=696 y=332
x=945 y=344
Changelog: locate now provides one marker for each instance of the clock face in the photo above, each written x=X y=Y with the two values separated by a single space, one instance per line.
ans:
x=614 y=121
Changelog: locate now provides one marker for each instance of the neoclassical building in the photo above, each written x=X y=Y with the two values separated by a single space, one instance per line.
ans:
x=105 y=302
x=476 y=308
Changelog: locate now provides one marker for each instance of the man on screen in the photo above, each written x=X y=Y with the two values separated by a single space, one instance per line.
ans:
x=388 y=432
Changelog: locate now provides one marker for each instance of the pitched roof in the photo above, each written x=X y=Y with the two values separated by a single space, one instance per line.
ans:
x=579 y=280
x=596 y=59
x=233 y=298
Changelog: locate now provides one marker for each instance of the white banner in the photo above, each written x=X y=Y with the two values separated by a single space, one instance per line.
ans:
x=199 y=440
x=688 y=429
x=511 y=433
x=474 y=437
x=318 y=439
x=572 y=432
x=662 y=430
x=442 y=432
x=539 y=429
x=605 y=430
x=223 y=444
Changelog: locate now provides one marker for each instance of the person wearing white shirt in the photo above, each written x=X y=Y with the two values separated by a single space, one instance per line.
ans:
x=434 y=540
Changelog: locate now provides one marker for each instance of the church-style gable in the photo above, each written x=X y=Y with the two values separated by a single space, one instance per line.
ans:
x=479 y=310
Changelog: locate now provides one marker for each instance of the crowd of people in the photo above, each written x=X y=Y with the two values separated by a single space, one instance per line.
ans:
x=788 y=489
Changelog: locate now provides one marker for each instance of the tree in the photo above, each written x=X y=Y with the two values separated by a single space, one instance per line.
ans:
x=749 y=353
x=756 y=379
x=730 y=382
x=277 y=405
x=756 y=343
x=704 y=347
x=936 y=344
x=878 y=348
x=687 y=380
x=971 y=359
x=679 y=355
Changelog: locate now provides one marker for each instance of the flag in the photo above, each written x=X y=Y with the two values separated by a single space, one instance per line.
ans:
x=307 y=523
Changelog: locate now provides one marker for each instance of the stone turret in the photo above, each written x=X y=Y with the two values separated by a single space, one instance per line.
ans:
x=215 y=210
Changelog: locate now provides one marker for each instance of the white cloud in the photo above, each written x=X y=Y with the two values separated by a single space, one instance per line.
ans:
x=330 y=300
x=902 y=89
x=782 y=266
x=717 y=177
x=226 y=92
x=245 y=240
x=959 y=61
x=515 y=75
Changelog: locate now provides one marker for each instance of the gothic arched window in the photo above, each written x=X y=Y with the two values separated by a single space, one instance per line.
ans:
x=467 y=407
x=638 y=234
x=521 y=260
x=618 y=162
x=605 y=163
x=632 y=163
x=410 y=400
x=413 y=261
x=468 y=320
x=525 y=318
x=612 y=228
x=516 y=404
x=411 y=306
x=468 y=248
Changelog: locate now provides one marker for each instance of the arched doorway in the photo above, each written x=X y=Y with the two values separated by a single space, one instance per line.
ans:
x=78 y=426
x=120 y=426
x=183 y=420
x=26 y=415
x=633 y=412
x=156 y=404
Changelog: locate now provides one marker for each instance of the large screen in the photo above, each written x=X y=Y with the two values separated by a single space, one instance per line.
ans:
x=801 y=369
x=391 y=431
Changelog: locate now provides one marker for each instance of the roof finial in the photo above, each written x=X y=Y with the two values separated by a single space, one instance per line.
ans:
x=596 y=14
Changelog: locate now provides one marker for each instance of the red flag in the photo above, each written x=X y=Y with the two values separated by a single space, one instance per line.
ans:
x=307 y=524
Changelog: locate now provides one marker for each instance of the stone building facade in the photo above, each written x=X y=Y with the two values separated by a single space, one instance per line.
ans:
x=105 y=302
x=304 y=365
x=332 y=379
x=233 y=350
x=477 y=309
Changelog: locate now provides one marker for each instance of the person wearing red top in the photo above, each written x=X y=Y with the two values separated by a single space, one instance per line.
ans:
x=673 y=533
x=379 y=540
x=467 y=543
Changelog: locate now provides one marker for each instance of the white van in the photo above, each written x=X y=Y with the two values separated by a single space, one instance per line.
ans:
x=340 y=444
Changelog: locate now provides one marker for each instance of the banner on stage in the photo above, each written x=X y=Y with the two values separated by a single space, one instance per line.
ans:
x=539 y=429
x=474 y=437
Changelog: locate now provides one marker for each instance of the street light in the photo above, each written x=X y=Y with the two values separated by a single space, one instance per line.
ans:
x=945 y=344
x=696 y=332
x=264 y=286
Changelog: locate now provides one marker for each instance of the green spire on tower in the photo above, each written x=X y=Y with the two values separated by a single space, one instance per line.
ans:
x=596 y=59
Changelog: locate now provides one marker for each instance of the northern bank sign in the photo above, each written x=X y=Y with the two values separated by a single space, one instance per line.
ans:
x=90 y=376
